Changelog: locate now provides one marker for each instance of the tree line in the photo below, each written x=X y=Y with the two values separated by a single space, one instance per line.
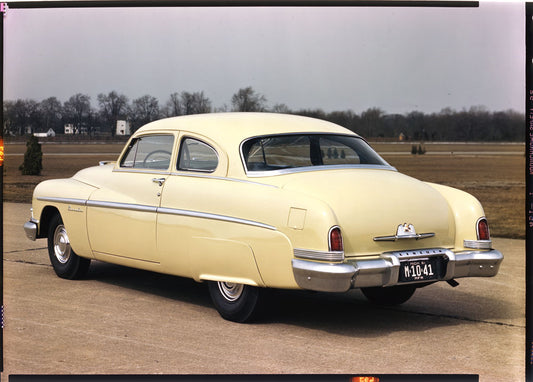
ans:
x=475 y=124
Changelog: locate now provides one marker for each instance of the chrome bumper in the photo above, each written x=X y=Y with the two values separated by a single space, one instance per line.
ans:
x=31 y=229
x=384 y=270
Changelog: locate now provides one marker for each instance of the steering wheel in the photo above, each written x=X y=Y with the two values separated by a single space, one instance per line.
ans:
x=164 y=155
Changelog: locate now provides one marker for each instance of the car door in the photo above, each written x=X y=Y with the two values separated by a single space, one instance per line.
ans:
x=122 y=213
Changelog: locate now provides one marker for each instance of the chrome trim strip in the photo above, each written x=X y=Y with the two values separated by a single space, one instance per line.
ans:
x=205 y=215
x=121 y=206
x=318 y=255
x=162 y=210
x=417 y=236
x=80 y=202
x=262 y=174
x=477 y=244
x=141 y=171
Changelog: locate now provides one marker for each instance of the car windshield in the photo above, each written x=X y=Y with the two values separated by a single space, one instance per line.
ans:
x=281 y=152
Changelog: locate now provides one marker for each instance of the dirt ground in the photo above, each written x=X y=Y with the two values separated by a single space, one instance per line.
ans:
x=494 y=173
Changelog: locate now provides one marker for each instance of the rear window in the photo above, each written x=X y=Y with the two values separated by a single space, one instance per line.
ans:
x=281 y=152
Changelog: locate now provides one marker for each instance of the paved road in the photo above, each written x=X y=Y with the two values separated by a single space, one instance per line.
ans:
x=122 y=320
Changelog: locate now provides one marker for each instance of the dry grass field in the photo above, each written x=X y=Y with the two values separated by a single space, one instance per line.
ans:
x=494 y=173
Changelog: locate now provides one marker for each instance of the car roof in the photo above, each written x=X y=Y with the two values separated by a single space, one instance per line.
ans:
x=236 y=127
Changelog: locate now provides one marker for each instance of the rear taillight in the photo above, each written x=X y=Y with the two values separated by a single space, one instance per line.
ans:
x=483 y=229
x=335 y=240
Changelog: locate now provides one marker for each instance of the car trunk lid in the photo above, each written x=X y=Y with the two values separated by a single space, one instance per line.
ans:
x=370 y=205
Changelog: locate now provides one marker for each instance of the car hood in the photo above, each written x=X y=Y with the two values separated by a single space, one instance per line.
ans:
x=369 y=204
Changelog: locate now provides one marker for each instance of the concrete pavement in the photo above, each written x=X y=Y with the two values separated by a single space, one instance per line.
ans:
x=122 y=320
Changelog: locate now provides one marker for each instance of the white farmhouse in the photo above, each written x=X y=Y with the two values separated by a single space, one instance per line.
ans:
x=123 y=128
x=49 y=133
x=69 y=128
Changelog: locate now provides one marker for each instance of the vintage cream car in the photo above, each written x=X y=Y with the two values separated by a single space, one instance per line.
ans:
x=248 y=201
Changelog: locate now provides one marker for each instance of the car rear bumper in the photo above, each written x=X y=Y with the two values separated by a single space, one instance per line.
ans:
x=30 y=228
x=385 y=269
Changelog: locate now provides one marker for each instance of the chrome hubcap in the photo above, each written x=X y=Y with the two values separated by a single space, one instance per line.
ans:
x=61 y=244
x=230 y=291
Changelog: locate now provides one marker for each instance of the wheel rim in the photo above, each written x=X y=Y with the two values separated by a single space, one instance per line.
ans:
x=62 y=249
x=230 y=291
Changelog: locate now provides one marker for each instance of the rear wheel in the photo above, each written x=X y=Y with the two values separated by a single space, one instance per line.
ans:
x=235 y=302
x=64 y=260
x=394 y=295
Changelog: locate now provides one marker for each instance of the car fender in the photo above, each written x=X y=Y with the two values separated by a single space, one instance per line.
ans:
x=68 y=197
x=466 y=209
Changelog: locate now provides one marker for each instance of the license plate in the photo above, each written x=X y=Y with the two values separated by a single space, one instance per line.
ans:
x=419 y=270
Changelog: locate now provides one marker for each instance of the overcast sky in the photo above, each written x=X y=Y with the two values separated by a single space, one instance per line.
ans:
x=398 y=59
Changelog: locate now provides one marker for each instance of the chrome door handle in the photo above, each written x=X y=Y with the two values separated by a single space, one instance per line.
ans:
x=159 y=181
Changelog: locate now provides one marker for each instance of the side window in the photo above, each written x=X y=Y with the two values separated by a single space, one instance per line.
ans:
x=197 y=156
x=149 y=152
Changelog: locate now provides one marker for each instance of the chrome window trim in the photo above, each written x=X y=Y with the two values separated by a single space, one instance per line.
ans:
x=311 y=254
x=141 y=171
x=261 y=174
x=257 y=174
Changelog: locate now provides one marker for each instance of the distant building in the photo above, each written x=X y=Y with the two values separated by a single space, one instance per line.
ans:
x=69 y=128
x=402 y=137
x=123 y=128
x=49 y=133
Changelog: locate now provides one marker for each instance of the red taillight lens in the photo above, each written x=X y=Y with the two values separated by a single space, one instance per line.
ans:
x=483 y=230
x=335 y=240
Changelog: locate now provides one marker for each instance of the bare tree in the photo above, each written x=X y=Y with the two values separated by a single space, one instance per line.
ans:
x=51 y=112
x=20 y=115
x=247 y=99
x=113 y=106
x=281 y=108
x=173 y=106
x=77 y=110
x=144 y=110
x=187 y=103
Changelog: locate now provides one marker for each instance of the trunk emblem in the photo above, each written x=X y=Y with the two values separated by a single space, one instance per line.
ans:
x=405 y=231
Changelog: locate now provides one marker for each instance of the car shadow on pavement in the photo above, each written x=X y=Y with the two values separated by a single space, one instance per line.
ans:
x=158 y=284
x=351 y=314
x=347 y=313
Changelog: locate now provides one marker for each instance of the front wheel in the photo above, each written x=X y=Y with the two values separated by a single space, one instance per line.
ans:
x=394 y=295
x=235 y=302
x=64 y=260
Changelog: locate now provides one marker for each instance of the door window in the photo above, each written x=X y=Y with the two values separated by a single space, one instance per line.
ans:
x=149 y=152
